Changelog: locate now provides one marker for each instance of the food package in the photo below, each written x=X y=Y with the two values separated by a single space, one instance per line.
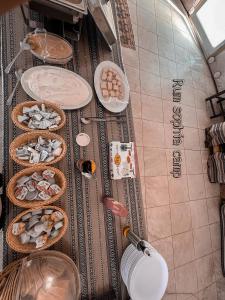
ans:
x=122 y=160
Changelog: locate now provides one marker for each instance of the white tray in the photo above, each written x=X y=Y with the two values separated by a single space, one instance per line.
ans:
x=26 y=76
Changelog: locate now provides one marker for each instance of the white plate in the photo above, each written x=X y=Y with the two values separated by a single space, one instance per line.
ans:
x=82 y=139
x=76 y=81
x=115 y=106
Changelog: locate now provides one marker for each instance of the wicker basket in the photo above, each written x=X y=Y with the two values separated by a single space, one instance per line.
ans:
x=60 y=180
x=14 y=242
x=19 y=108
x=26 y=137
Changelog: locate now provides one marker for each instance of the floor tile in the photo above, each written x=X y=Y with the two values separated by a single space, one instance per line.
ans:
x=213 y=205
x=135 y=32
x=170 y=293
x=166 y=48
x=215 y=236
x=167 y=89
x=178 y=189
x=164 y=29
x=133 y=12
x=191 y=138
x=212 y=189
x=196 y=187
x=200 y=97
x=163 y=10
x=149 y=62
x=199 y=213
x=205 y=271
x=138 y=131
x=217 y=265
x=146 y=19
x=135 y=99
x=142 y=179
x=189 y=116
x=204 y=156
x=156 y=191
x=187 y=95
x=181 y=38
x=155 y=161
x=202 y=241
x=183 y=248
x=193 y=161
x=165 y=248
x=159 y=222
x=210 y=293
x=133 y=76
x=182 y=55
x=167 y=68
x=203 y=119
x=181 y=217
x=184 y=72
x=153 y=134
x=184 y=282
x=152 y=108
x=220 y=289
x=147 y=5
x=201 y=133
x=150 y=84
x=141 y=161
x=147 y=40
x=169 y=156
x=130 y=57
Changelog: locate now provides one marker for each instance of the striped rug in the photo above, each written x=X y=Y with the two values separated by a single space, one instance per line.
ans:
x=94 y=239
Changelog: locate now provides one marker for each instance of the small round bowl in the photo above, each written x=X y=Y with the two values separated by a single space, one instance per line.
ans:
x=14 y=242
x=60 y=180
x=27 y=137
x=18 y=110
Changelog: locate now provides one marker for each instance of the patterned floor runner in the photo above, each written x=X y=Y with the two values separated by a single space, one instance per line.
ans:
x=93 y=240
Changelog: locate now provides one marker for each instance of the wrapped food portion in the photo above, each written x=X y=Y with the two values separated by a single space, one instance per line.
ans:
x=39 y=117
x=111 y=84
x=38 y=226
x=38 y=186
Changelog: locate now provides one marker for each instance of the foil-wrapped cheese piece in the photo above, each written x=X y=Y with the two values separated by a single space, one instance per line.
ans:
x=21 y=193
x=47 y=174
x=24 y=238
x=18 y=228
x=31 y=185
x=44 y=196
x=56 y=216
x=32 y=196
x=43 y=185
x=58 y=225
x=22 y=180
x=26 y=217
x=54 y=189
x=41 y=240
x=36 y=176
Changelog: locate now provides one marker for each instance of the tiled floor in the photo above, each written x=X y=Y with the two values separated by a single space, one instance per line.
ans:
x=181 y=214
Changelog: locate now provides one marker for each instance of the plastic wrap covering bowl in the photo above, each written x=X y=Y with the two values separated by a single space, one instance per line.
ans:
x=48 y=275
